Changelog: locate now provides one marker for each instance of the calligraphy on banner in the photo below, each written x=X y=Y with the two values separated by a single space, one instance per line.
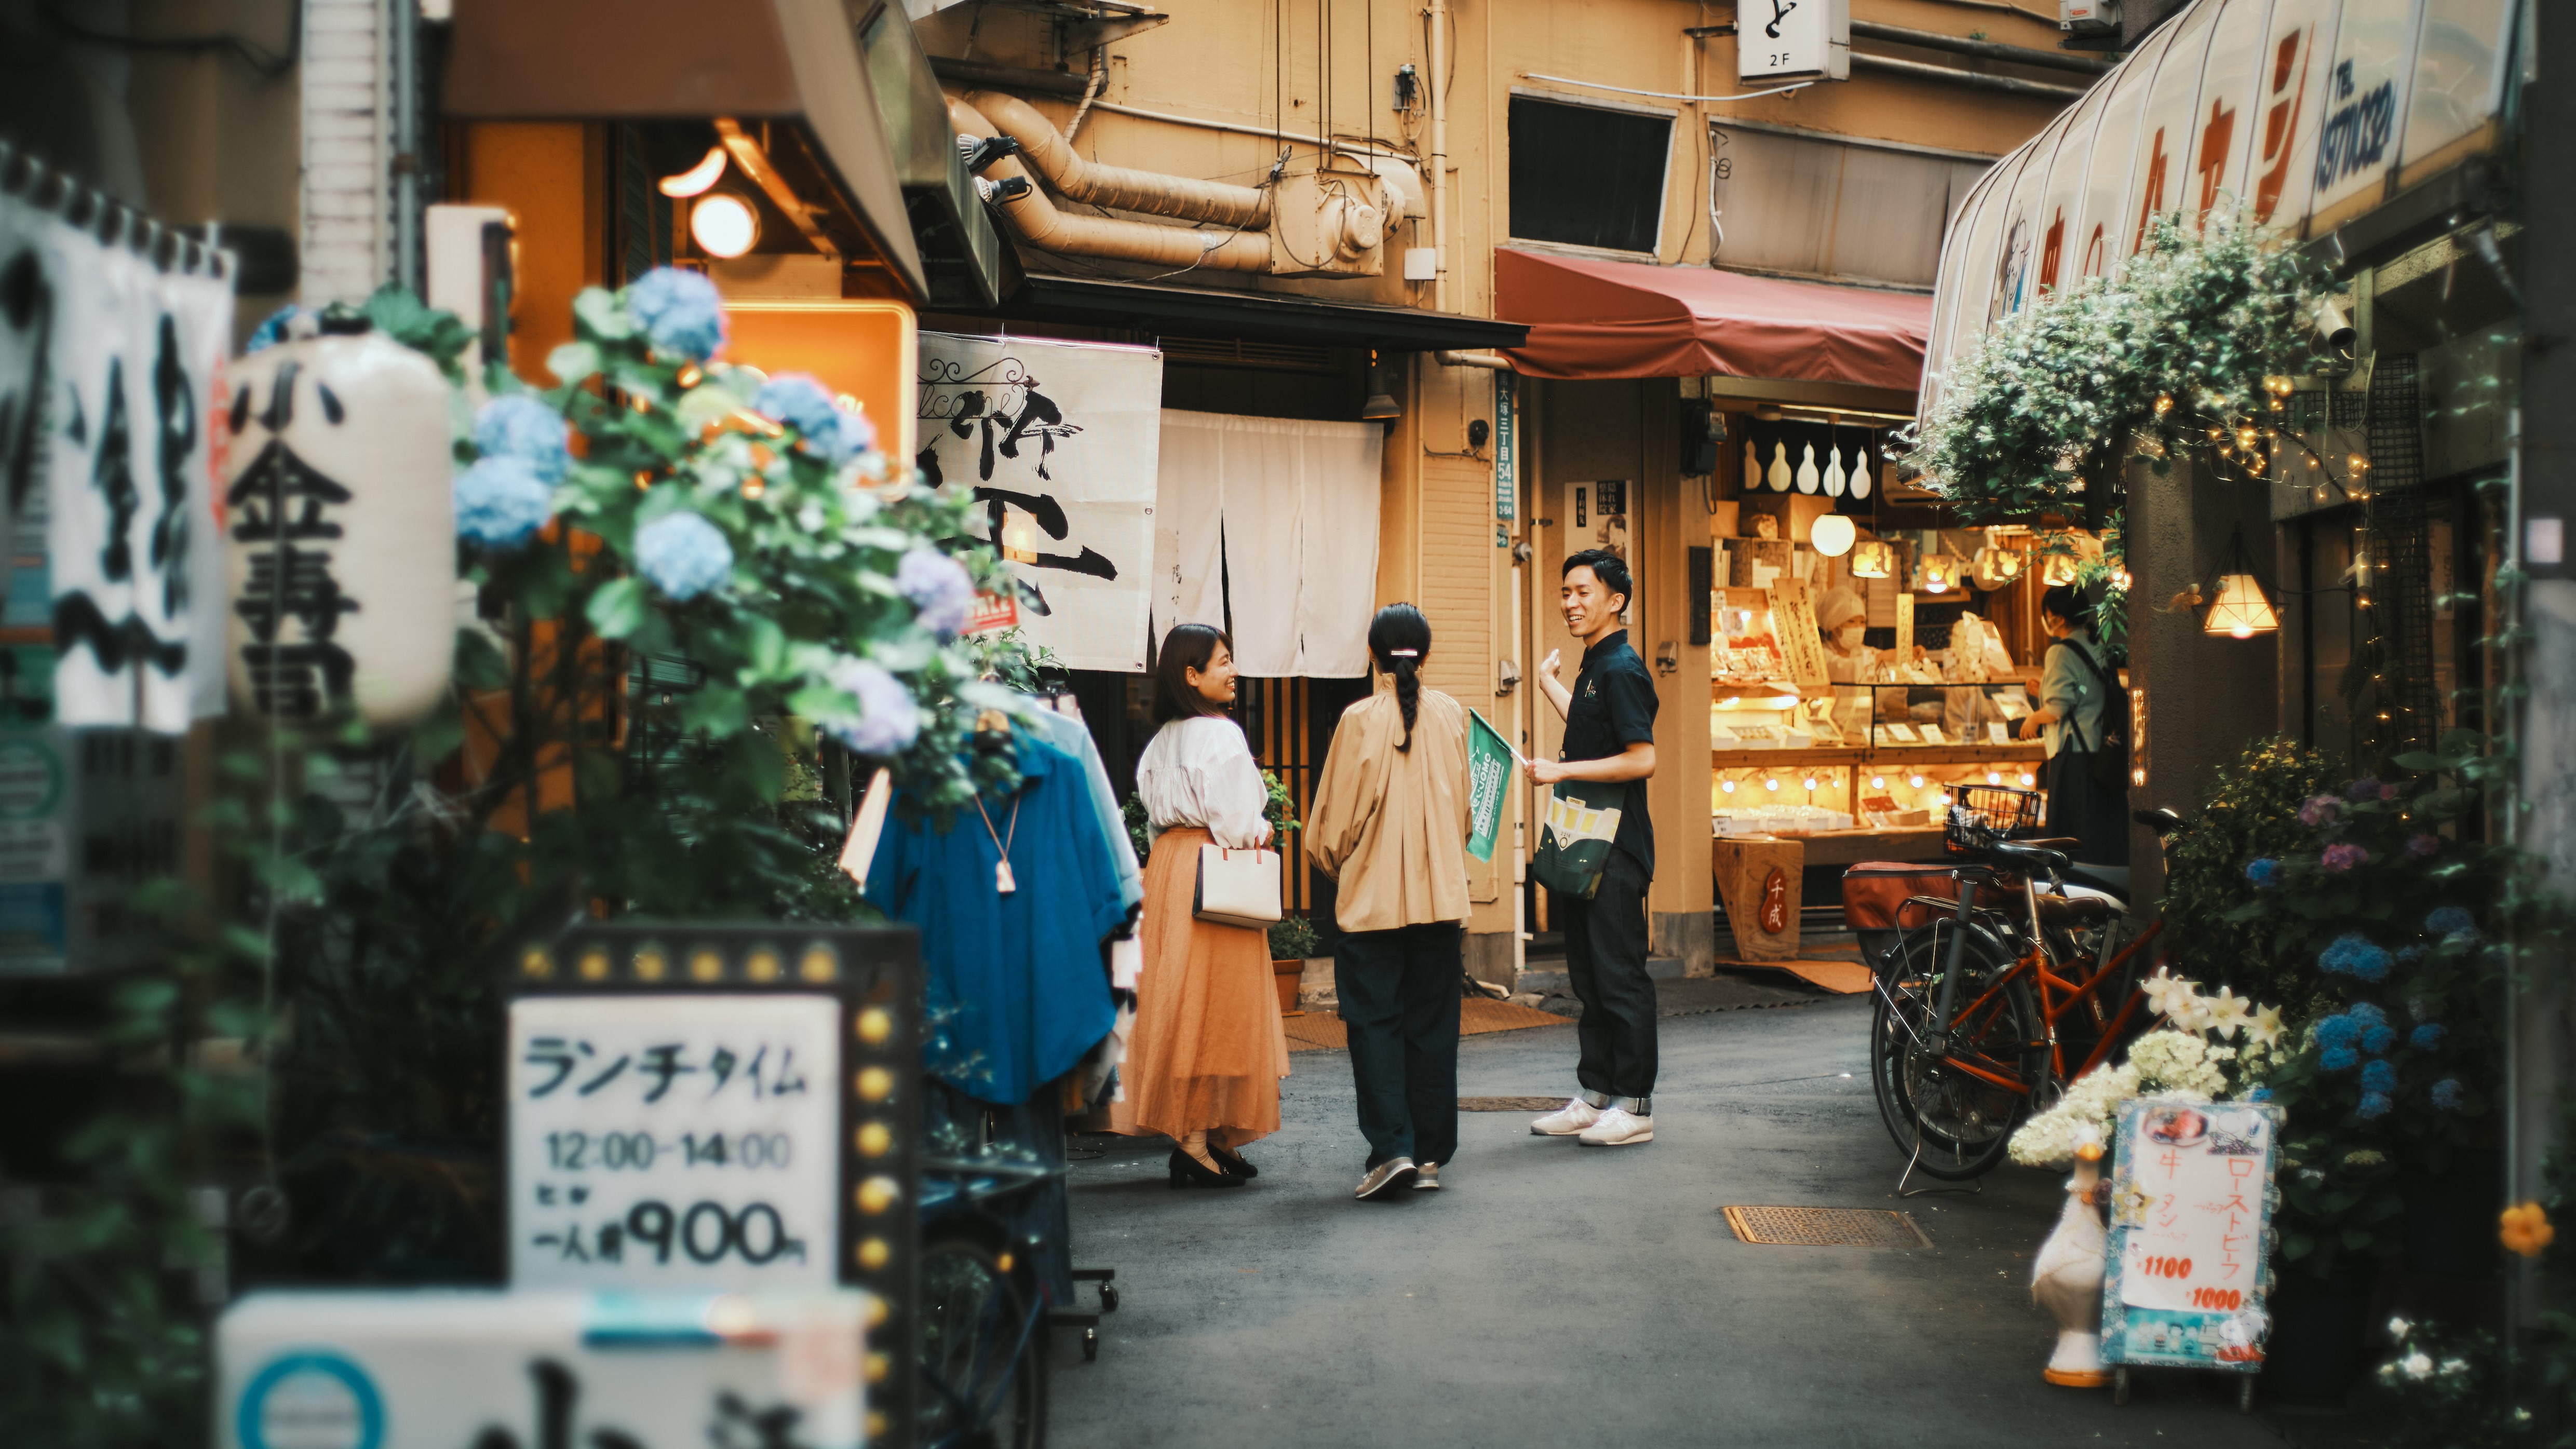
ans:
x=110 y=375
x=1059 y=441
x=674 y=1141
x=340 y=516
x=2189 y=1268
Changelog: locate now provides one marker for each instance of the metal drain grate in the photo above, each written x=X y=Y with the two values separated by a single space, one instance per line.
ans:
x=1827 y=1227
x=1510 y=1104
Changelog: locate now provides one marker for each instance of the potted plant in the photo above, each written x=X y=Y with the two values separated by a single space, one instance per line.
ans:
x=1291 y=942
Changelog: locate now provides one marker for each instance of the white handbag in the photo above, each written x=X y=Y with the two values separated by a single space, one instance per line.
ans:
x=1237 y=887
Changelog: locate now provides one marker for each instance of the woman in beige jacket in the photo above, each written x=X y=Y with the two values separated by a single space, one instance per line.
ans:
x=1389 y=824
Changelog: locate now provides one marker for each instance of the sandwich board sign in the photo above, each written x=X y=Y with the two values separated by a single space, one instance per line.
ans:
x=2188 y=1275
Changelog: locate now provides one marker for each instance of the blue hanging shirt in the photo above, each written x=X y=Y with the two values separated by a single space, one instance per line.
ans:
x=1014 y=991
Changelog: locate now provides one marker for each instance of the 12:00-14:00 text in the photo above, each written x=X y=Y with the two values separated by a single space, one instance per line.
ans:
x=638 y=1151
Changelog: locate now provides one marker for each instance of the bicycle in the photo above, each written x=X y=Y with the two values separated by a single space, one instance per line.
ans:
x=1984 y=1015
x=982 y=1347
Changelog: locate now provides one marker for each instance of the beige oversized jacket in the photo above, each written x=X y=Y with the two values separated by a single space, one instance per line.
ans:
x=1391 y=826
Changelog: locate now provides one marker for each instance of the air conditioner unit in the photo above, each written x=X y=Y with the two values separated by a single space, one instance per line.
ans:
x=2088 y=15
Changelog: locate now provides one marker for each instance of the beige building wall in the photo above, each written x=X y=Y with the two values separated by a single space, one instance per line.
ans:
x=1245 y=70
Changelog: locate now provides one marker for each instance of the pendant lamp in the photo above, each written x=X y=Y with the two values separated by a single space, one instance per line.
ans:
x=2239 y=608
x=1873 y=558
x=2057 y=569
x=1940 y=573
x=1832 y=534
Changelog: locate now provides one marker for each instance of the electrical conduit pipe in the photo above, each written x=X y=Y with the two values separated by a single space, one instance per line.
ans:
x=1044 y=227
x=1439 y=169
x=1118 y=187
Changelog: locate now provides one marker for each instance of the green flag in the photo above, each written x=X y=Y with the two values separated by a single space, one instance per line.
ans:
x=1489 y=768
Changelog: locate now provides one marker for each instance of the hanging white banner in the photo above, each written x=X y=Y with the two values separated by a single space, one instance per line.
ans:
x=1059 y=441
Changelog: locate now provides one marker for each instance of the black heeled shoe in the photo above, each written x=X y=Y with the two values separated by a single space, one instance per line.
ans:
x=1233 y=1163
x=1188 y=1171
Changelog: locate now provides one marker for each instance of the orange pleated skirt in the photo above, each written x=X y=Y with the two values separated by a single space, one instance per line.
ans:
x=1209 y=1047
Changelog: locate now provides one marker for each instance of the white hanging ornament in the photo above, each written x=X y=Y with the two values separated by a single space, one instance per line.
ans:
x=1860 y=473
x=1834 y=479
x=341 y=527
x=1752 y=464
x=1807 y=479
x=1778 y=477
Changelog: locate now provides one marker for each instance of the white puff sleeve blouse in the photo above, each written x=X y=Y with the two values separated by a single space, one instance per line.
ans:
x=1200 y=772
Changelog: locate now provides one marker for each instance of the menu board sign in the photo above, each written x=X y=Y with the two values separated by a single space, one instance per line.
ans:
x=2189 y=1255
x=1793 y=624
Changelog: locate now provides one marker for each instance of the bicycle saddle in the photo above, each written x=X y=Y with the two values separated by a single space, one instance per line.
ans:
x=2026 y=856
x=2075 y=912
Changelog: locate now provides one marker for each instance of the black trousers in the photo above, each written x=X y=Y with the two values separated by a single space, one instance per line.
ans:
x=1399 y=992
x=1605 y=959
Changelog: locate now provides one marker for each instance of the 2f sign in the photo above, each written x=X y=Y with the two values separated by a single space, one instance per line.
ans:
x=1781 y=40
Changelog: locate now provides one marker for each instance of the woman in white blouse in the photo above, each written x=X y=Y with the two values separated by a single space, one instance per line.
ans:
x=1209 y=1048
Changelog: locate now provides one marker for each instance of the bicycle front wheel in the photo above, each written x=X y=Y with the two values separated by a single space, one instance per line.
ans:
x=983 y=1346
x=1953 y=1112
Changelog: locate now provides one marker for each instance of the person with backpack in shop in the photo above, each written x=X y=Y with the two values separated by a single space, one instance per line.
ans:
x=2086 y=778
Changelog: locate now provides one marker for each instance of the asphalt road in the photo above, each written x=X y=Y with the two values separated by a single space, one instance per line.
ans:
x=1556 y=1295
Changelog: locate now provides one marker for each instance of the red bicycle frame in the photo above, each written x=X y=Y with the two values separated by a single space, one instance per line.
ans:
x=2051 y=1009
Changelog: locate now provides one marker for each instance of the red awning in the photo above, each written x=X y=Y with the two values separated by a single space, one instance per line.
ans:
x=1592 y=319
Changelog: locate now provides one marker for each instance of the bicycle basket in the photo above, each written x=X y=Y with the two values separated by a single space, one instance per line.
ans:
x=1980 y=815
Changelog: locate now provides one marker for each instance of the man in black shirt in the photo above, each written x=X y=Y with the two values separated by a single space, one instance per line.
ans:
x=1609 y=737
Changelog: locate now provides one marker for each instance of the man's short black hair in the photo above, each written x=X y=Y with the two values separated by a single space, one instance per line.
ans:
x=1606 y=566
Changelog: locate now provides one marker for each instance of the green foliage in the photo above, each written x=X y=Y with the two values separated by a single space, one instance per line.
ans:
x=1139 y=830
x=2252 y=814
x=1279 y=808
x=2171 y=358
x=100 y=1343
x=435 y=333
x=1293 y=939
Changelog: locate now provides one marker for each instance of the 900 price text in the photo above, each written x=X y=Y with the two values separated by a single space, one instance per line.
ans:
x=638 y=1151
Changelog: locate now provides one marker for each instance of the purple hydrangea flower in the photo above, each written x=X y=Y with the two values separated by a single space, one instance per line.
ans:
x=501 y=501
x=2345 y=856
x=683 y=555
x=2427 y=1037
x=2421 y=844
x=2319 y=810
x=2353 y=954
x=939 y=589
x=2379 y=1077
x=855 y=437
x=2338 y=1059
x=2378 y=1040
x=516 y=425
x=2389 y=792
x=2451 y=921
x=2447 y=1094
x=887 y=720
x=2265 y=873
x=681 y=312
x=2374 y=1105
x=2365 y=788
x=801 y=403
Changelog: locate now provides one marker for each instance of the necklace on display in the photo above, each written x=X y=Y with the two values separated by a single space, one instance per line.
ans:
x=1002 y=879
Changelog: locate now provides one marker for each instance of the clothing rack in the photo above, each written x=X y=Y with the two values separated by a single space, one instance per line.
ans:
x=26 y=178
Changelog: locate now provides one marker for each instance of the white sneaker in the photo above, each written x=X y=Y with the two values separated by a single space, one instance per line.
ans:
x=1618 y=1127
x=1426 y=1178
x=1576 y=1115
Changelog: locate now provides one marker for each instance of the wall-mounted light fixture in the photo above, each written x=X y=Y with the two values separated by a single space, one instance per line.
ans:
x=1381 y=406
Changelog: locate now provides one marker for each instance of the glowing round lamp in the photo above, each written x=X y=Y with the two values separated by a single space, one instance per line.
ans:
x=697 y=178
x=1833 y=535
x=723 y=225
x=2241 y=611
x=1873 y=559
x=1728 y=786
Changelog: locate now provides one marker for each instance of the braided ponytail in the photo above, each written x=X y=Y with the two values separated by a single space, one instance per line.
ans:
x=1398 y=638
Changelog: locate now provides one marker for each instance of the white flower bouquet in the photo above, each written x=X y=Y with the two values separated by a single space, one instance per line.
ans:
x=2195 y=1052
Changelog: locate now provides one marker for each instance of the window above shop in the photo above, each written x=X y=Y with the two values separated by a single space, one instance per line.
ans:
x=1588 y=176
x=1815 y=207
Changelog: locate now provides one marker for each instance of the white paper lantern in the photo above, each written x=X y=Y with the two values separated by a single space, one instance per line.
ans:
x=341 y=530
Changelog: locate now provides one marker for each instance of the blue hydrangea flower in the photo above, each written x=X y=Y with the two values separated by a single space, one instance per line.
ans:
x=887 y=720
x=681 y=312
x=2374 y=1105
x=855 y=437
x=2447 y=1094
x=2265 y=873
x=2367 y=1013
x=2378 y=1040
x=2427 y=1037
x=938 y=587
x=801 y=403
x=2410 y=954
x=501 y=501
x=518 y=426
x=683 y=554
x=2339 y=1059
x=2259 y=1094
x=2451 y=921
x=2353 y=954
x=2379 y=1077
x=2338 y=1030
